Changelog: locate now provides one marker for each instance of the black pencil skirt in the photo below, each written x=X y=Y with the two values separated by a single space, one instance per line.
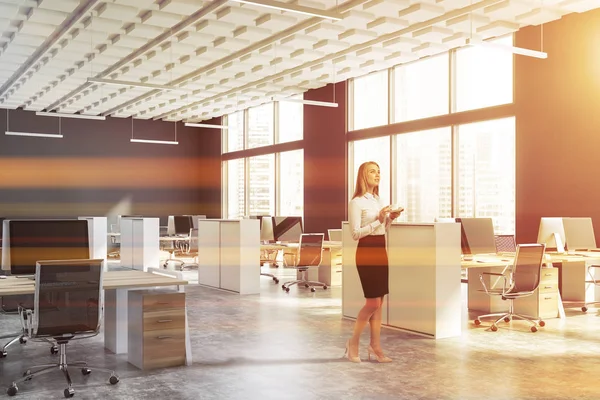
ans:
x=372 y=265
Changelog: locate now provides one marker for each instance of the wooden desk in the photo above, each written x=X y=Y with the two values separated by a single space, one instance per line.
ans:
x=116 y=285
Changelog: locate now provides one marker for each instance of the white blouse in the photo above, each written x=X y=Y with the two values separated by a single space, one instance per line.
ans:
x=362 y=216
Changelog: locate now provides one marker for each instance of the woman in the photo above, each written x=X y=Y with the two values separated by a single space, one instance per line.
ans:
x=369 y=220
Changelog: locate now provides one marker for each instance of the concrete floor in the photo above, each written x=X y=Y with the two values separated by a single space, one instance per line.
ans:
x=289 y=346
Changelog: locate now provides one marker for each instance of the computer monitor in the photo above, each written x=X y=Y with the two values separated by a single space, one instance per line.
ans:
x=579 y=233
x=29 y=241
x=287 y=229
x=195 y=219
x=552 y=228
x=477 y=235
x=266 y=227
x=182 y=224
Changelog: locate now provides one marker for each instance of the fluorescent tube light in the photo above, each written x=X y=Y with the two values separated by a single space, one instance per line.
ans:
x=310 y=102
x=136 y=84
x=153 y=141
x=44 y=135
x=295 y=8
x=64 y=115
x=513 y=49
x=195 y=125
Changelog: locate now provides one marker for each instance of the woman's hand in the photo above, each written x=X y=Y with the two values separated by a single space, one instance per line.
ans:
x=382 y=213
x=395 y=214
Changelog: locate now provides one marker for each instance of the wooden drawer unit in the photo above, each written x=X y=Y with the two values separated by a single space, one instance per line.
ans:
x=544 y=302
x=156 y=329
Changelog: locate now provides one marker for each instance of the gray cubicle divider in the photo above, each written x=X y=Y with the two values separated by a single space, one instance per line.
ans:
x=140 y=243
x=425 y=285
x=229 y=250
x=98 y=232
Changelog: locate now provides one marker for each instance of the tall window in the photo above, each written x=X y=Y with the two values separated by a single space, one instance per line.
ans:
x=291 y=121
x=260 y=126
x=291 y=183
x=261 y=185
x=235 y=188
x=424 y=175
x=235 y=133
x=378 y=150
x=484 y=76
x=421 y=89
x=486 y=172
x=263 y=182
x=370 y=100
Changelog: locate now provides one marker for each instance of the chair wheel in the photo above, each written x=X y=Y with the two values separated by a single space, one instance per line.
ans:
x=312 y=289
x=506 y=319
x=3 y=354
x=283 y=286
x=12 y=390
x=533 y=329
x=324 y=287
x=86 y=371
x=494 y=328
x=477 y=322
x=69 y=392
x=22 y=340
x=542 y=323
x=306 y=285
x=584 y=308
x=113 y=380
x=287 y=289
x=276 y=280
x=53 y=350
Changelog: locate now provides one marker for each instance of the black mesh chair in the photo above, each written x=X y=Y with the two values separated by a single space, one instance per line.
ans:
x=519 y=280
x=505 y=243
x=309 y=255
x=67 y=306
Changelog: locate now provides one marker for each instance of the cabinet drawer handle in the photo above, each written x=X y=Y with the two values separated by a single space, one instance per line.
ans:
x=547 y=287
x=163 y=302
x=164 y=337
x=547 y=274
x=162 y=321
x=547 y=298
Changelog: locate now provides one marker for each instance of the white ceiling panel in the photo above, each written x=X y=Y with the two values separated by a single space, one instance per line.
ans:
x=235 y=56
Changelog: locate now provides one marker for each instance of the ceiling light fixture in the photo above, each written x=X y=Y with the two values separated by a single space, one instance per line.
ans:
x=153 y=141
x=136 y=84
x=295 y=8
x=195 y=125
x=310 y=102
x=513 y=49
x=44 y=135
x=65 y=115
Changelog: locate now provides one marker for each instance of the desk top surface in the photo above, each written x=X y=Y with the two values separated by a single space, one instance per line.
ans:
x=112 y=280
x=502 y=260
x=327 y=244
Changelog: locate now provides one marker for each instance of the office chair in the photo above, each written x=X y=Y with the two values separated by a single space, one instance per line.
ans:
x=505 y=243
x=521 y=279
x=591 y=271
x=309 y=255
x=188 y=248
x=67 y=307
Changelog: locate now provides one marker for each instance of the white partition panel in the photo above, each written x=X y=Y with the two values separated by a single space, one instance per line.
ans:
x=209 y=258
x=140 y=243
x=425 y=292
x=98 y=234
x=240 y=255
x=424 y=262
x=352 y=294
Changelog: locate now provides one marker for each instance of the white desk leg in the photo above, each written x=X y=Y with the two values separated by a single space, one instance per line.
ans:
x=115 y=320
x=561 y=308
x=188 y=341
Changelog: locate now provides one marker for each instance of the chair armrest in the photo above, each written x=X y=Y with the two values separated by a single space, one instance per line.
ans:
x=493 y=274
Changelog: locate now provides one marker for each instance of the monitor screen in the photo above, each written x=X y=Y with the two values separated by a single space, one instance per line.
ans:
x=549 y=226
x=287 y=229
x=579 y=233
x=182 y=224
x=30 y=241
x=477 y=235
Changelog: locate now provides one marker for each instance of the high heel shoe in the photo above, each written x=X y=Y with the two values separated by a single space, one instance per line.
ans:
x=381 y=359
x=347 y=354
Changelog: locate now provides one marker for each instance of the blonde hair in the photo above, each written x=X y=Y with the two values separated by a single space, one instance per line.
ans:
x=361 y=180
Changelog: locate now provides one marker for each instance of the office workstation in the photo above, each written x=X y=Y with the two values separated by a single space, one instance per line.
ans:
x=226 y=110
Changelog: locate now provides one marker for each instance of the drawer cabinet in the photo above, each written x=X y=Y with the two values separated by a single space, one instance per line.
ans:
x=544 y=301
x=156 y=329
